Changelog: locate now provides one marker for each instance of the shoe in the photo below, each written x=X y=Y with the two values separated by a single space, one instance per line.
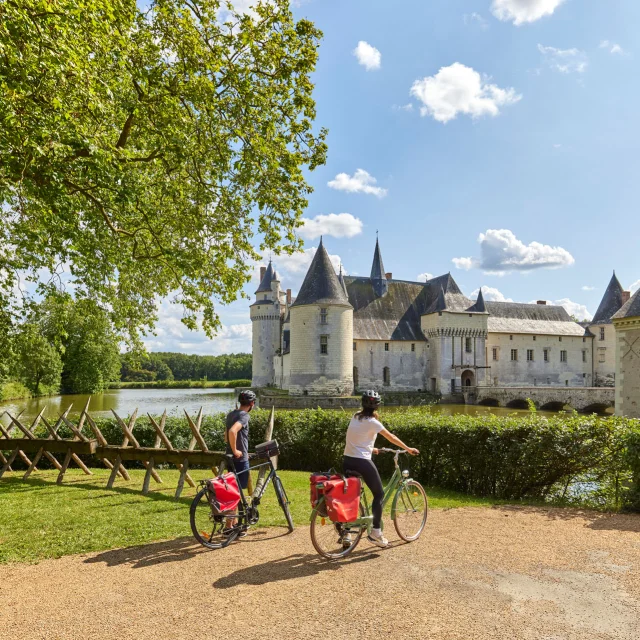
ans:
x=378 y=539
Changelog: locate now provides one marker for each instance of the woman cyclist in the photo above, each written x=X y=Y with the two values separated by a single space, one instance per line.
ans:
x=361 y=436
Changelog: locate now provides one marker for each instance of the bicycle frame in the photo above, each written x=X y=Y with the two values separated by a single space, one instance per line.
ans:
x=396 y=481
x=255 y=499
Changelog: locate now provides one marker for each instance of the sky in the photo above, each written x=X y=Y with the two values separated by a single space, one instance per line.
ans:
x=495 y=139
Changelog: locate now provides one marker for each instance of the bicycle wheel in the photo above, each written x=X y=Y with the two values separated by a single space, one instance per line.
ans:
x=411 y=510
x=335 y=540
x=284 y=501
x=208 y=529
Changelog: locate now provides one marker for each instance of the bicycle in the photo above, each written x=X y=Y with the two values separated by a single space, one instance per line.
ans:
x=212 y=530
x=409 y=510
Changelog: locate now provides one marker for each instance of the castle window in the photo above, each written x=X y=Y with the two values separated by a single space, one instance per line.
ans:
x=514 y=355
x=510 y=337
x=324 y=345
x=355 y=377
x=584 y=356
x=386 y=346
x=495 y=353
x=559 y=338
x=468 y=345
x=563 y=356
x=546 y=355
x=386 y=376
x=413 y=346
x=355 y=346
x=601 y=333
x=529 y=355
x=584 y=339
x=601 y=355
x=534 y=338
x=265 y=296
x=323 y=316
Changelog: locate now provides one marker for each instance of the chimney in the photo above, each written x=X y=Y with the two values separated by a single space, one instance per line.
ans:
x=625 y=296
x=541 y=302
x=388 y=276
x=288 y=297
x=263 y=270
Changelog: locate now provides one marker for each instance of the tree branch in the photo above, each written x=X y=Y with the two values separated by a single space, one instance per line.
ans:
x=126 y=130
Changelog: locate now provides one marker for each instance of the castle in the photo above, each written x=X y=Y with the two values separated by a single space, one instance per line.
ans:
x=344 y=333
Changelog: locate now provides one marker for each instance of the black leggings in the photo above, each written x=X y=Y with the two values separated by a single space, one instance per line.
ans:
x=371 y=478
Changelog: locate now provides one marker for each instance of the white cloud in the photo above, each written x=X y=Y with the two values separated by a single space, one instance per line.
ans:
x=403 y=107
x=575 y=309
x=587 y=288
x=502 y=252
x=475 y=19
x=613 y=47
x=369 y=57
x=490 y=294
x=423 y=277
x=460 y=89
x=360 y=182
x=465 y=263
x=635 y=286
x=338 y=225
x=564 y=60
x=522 y=11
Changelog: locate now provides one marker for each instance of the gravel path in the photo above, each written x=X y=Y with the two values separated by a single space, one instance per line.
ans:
x=476 y=573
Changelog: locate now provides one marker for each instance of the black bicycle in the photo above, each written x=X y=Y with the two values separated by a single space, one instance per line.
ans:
x=215 y=529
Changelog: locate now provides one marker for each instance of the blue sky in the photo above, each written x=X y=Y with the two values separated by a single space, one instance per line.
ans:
x=496 y=139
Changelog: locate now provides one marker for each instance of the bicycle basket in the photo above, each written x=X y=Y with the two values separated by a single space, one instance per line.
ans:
x=268 y=449
x=223 y=493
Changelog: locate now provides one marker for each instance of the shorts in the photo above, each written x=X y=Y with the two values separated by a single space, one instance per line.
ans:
x=241 y=466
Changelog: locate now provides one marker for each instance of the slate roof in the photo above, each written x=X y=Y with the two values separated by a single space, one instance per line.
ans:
x=630 y=308
x=267 y=279
x=321 y=285
x=479 y=306
x=516 y=317
x=378 y=275
x=611 y=302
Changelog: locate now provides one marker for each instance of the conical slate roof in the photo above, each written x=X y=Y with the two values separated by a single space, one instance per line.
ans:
x=611 y=302
x=267 y=279
x=321 y=284
x=441 y=302
x=631 y=307
x=479 y=306
x=378 y=275
x=343 y=284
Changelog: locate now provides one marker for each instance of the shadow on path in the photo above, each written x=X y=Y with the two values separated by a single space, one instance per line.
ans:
x=299 y=565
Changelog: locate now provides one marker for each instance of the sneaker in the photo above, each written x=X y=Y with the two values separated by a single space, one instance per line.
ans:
x=378 y=539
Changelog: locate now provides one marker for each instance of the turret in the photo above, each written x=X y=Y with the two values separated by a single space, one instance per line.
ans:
x=321 y=319
x=378 y=275
x=266 y=317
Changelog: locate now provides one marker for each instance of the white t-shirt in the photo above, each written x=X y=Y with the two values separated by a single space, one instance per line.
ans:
x=361 y=436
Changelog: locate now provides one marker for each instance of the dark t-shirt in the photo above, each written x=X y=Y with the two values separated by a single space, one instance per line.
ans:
x=242 y=437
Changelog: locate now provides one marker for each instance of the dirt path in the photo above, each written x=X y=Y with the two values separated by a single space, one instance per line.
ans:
x=475 y=573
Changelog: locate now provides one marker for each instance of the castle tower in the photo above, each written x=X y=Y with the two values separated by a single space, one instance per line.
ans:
x=321 y=333
x=378 y=275
x=266 y=319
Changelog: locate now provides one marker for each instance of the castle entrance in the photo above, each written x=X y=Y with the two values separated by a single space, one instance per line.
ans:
x=468 y=379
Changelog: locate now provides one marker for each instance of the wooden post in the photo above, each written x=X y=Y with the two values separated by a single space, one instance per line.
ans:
x=7 y=434
x=128 y=432
x=3 y=460
x=9 y=462
x=147 y=477
x=183 y=474
x=65 y=466
x=268 y=434
x=27 y=432
x=114 y=472
x=102 y=441
x=162 y=436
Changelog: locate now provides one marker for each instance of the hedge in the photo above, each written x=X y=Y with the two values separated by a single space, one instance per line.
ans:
x=182 y=384
x=509 y=458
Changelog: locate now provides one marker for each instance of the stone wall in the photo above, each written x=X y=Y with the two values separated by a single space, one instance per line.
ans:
x=604 y=355
x=504 y=372
x=628 y=367
x=314 y=373
x=579 y=398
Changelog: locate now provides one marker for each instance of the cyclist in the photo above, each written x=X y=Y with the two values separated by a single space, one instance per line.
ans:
x=237 y=438
x=361 y=436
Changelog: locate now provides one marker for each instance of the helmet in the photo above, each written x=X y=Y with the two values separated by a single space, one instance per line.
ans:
x=246 y=397
x=371 y=399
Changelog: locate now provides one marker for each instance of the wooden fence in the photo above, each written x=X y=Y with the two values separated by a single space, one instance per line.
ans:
x=112 y=456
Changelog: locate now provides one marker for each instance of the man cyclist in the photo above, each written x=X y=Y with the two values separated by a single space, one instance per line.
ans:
x=237 y=438
x=361 y=436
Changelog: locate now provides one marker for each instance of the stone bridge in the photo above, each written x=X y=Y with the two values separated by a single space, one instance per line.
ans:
x=585 y=399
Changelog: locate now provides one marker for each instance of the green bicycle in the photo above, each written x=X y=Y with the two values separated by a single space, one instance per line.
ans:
x=409 y=509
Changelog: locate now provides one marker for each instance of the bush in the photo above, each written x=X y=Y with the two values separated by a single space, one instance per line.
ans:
x=502 y=457
x=182 y=384
x=13 y=391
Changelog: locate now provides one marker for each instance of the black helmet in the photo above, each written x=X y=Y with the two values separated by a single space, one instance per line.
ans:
x=371 y=399
x=246 y=397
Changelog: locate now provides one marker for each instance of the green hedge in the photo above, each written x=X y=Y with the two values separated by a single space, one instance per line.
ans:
x=512 y=457
x=182 y=384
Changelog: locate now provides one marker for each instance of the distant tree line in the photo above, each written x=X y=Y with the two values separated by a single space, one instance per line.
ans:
x=181 y=366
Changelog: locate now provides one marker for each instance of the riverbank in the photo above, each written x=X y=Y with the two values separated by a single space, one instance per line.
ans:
x=182 y=384
x=13 y=391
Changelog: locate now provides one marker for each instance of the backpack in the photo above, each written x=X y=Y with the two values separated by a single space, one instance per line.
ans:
x=223 y=493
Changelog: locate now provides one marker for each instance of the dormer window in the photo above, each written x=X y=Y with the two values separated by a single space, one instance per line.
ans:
x=601 y=333
x=264 y=297
x=323 y=315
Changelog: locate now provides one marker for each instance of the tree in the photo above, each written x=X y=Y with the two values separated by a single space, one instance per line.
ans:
x=38 y=362
x=142 y=150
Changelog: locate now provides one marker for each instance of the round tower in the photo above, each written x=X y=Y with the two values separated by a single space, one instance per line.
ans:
x=266 y=319
x=321 y=349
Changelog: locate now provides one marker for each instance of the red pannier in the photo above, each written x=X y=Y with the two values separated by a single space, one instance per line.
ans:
x=341 y=495
x=224 y=494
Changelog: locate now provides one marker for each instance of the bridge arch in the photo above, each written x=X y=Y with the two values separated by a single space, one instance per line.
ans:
x=554 y=405
x=489 y=402
x=518 y=403
x=597 y=407
x=468 y=379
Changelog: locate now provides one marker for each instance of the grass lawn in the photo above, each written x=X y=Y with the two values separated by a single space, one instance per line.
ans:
x=40 y=519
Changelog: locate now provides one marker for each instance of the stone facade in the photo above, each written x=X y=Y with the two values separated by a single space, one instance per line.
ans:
x=604 y=354
x=627 y=326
